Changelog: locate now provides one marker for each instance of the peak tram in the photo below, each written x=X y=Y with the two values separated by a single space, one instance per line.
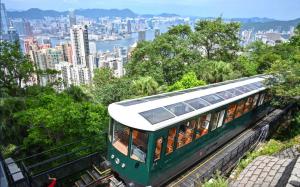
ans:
x=153 y=139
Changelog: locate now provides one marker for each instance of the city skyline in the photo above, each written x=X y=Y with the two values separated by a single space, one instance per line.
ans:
x=202 y=8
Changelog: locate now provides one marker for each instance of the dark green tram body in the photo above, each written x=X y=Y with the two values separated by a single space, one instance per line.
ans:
x=157 y=172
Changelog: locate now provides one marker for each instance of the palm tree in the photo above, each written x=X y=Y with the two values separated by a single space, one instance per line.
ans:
x=145 y=86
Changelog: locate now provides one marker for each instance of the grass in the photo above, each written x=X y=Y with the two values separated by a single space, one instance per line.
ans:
x=216 y=181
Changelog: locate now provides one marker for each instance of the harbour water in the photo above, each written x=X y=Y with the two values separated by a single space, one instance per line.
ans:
x=125 y=42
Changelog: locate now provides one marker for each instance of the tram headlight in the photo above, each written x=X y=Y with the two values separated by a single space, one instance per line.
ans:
x=117 y=161
x=123 y=165
x=112 y=156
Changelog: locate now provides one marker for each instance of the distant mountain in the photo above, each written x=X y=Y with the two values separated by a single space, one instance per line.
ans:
x=276 y=25
x=35 y=13
x=96 y=13
x=252 y=20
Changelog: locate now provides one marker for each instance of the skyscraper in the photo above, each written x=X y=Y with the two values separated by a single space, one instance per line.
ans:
x=72 y=18
x=82 y=70
x=80 y=45
x=12 y=34
x=4 y=25
x=129 y=27
x=156 y=32
x=142 y=35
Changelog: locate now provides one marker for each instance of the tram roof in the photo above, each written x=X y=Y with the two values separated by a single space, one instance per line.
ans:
x=158 y=111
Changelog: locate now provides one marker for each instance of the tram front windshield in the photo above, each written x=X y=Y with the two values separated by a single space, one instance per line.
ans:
x=120 y=140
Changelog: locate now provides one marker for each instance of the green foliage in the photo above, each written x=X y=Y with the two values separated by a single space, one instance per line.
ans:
x=188 y=80
x=219 y=40
x=287 y=76
x=215 y=71
x=245 y=66
x=57 y=118
x=216 y=181
x=168 y=57
x=145 y=86
x=102 y=76
x=15 y=69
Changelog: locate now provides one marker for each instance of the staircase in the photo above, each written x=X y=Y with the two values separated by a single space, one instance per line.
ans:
x=94 y=177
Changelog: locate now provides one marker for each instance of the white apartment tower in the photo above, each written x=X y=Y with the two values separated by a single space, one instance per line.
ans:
x=80 y=45
x=82 y=71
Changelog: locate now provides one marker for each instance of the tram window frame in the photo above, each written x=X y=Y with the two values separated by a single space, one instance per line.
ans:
x=171 y=142
x=229 y=113
x=215 y=121
x=248 y=104
x=202 y=127
x=135 y=148
x=121 y=146
x=255 y=100
x=157 y=155
x=261 y=99
x=239 y=109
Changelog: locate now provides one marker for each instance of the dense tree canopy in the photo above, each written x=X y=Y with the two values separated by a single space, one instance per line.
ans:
x=15 y=68
x=168 y=57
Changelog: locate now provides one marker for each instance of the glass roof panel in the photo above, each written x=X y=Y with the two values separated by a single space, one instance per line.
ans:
x=251 y=86
x=155 y=97
x=157 y=115
x=259 y=84
x=197 y=103
x=179 y=108
x=213 y=98
x=242 y=89
x=225 y=95
x=234 y=92
x=133 y=102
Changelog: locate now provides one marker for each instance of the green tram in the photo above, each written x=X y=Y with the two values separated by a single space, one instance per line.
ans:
x=152 y=139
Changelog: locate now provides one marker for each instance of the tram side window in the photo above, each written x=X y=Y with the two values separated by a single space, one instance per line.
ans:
x=157 y=153
x=170 y=141
x=120 y=137
x=217 y=119
x=240 y=109
x=184 y=134
x=181 y=136
x=230 y=113
x=255 y=99
x=248 y=104
x=261 y=99
x=139 y=145
x=203 y=124
x=189 y=132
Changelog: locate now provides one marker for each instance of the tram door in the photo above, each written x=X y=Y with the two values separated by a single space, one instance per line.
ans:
x=159 y=147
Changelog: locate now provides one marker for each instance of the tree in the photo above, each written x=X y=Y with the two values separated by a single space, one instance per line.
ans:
x=189 y=80
x=54 y=119
x=285 y=82
x=15 y=68
x=114 y=91
x=245 y=66
x=219 y=40
x=145 y=86
x=102 y=76
x=215 y=71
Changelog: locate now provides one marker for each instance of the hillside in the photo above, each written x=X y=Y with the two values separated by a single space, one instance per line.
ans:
x=276 y=25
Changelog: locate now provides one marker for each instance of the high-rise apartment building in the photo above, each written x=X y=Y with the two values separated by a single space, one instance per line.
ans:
x=72 y=18
x=4 y=24
x=83 y=70
x=80 y=45
x=141 y=35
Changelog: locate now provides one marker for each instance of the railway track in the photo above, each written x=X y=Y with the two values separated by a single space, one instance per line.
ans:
x=225 y=158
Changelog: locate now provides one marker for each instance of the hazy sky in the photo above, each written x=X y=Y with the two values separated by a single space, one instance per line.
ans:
x=279 y=9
